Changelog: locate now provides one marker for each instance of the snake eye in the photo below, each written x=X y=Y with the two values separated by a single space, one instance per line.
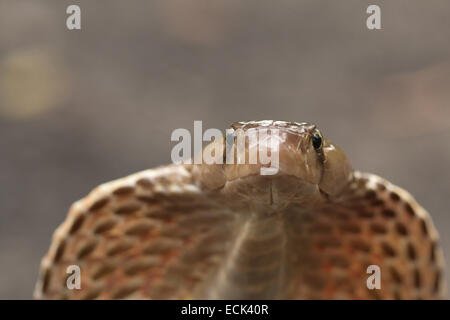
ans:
x=317 y=140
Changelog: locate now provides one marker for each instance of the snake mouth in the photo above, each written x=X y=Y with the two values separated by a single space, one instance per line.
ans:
x=295 y=163
x=273 y=192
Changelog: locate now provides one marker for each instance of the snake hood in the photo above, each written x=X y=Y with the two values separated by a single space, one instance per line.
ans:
x=311 y=229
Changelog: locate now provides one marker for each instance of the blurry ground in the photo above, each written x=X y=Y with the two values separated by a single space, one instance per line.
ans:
x=78 y=108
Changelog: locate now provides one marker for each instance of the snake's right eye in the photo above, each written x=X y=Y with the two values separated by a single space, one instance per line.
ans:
x=316 y=140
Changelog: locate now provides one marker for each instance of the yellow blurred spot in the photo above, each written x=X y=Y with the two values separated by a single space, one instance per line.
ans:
x=31 y=84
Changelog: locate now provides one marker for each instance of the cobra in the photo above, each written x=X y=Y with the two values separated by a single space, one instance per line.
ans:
x=224 y=231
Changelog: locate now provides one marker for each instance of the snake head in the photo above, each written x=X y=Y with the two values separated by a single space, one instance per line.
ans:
x=273 y=149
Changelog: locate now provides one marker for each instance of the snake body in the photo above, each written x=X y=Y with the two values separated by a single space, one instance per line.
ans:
x=224 y=231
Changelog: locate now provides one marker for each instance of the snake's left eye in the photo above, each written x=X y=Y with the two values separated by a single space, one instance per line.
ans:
x=316 y=140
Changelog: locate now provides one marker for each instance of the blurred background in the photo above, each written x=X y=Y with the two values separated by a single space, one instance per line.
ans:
x=79 y=108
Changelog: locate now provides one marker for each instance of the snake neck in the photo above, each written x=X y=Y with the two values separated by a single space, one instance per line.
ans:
x=261 y=259
x=255 y=266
